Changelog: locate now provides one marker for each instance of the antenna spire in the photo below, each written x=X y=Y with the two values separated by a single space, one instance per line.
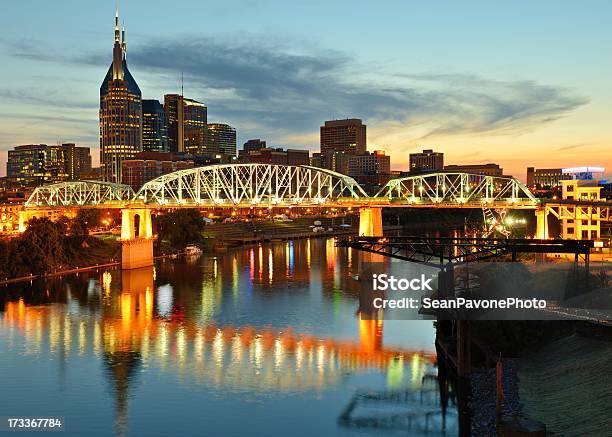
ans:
x=123 y=43
x=182 y=95
x=117 y=26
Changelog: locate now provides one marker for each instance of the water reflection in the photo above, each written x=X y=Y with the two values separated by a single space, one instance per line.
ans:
x=274 y=318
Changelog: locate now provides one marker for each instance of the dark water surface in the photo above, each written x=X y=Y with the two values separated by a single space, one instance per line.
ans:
x=258 y=341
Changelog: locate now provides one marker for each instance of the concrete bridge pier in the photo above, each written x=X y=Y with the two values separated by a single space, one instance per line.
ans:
x=541 y=223
x=370 y=222
x=136 y=238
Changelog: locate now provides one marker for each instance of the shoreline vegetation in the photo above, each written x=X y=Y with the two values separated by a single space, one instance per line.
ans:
x=56 y=248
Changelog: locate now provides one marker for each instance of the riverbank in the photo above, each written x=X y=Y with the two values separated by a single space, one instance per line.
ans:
x=76 y=270
x=525 y=347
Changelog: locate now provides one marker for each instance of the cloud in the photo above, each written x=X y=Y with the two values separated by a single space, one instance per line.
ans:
x=46 y=97
x=295 y=91
x=571 y=147
x=270 y=89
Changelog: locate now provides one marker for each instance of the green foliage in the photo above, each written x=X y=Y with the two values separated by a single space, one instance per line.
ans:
x=47 y=246
x=180 y=228
x=41 y=247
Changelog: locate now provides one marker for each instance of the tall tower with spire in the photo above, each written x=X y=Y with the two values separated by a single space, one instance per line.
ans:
x=120 y=112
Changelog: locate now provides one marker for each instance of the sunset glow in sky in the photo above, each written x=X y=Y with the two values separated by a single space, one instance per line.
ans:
x=520 y=84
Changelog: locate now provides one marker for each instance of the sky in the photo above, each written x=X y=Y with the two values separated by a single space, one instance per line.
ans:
x=518 y=83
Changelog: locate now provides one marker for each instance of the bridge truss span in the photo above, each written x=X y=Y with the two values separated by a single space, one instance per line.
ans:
x=80 y=193
x=250 y=185
x=438 y=251
x=457 y=190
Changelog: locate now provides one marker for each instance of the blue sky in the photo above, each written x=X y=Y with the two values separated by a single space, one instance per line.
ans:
x=519 y=83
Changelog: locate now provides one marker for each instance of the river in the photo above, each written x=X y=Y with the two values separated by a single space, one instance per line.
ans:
x=264 y=340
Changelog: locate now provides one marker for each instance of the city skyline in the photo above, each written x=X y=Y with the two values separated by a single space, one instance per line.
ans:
x=280 y=84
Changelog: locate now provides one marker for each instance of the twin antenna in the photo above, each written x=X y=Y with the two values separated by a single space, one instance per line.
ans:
x=182 y=78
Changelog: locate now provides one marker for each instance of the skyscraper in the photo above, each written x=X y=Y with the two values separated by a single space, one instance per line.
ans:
x=347 y=136
x=120 y=113
x=187 y=120
x=221 y=138
x=154 y=127
x=36 y=164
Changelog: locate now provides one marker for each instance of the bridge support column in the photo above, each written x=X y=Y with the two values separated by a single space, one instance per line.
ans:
x=541 y=223
x=136 y=238
x=370 y=222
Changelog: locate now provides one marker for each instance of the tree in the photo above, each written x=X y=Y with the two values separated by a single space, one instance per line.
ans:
x=5 y=258
x=180 y=227
x=84 y=221
x=41 y=247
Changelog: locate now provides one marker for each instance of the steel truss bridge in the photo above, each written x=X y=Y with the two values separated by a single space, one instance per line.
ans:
x=80 y=193
x=438 y=251
x=267 y=185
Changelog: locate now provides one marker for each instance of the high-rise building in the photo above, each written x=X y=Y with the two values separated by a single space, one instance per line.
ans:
x=120 y=113
x=428 y=161
x=154 y=127
x=221 y=138
x=346 y=136
x=36 y=164
x=187 y=120
x=77 y=160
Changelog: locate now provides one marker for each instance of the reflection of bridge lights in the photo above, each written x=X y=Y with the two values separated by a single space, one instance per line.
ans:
x=198 y=345
x=278 y=354
x=236 y=349
x=82 y=338
x=321 y=358
x=181 y=345
x=417 y=369
x=258 y=351
x=164 y=300
x=144 y=347
x=395 y=373
x=126 y=309
x=97 y=338
x=299 y=355
x=162 y=342
x=107 y=279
